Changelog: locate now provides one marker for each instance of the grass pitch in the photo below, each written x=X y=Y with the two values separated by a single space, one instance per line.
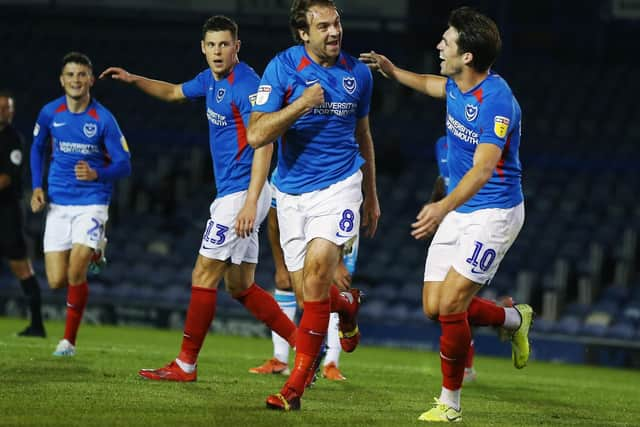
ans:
x=385 y=387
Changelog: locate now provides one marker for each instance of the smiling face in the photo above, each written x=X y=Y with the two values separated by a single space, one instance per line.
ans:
x=453 y=60
x=323 y=38
x=221 y=50
x=76 y=80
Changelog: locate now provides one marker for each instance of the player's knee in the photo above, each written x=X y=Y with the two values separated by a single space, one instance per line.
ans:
x=283 y=282
x=451 y=305
x=318 y=277
x=236 y=288
x=431 y=311
x=200 y=277
x=77 y=277
x=57 y=282
x=205 y=276
x=21 y=269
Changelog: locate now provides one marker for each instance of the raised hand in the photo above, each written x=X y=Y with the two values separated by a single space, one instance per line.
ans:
x=379 y=63
x=313 y=96
x=117 y=73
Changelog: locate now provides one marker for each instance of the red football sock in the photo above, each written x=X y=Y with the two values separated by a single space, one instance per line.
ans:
x=339 y=304
x=76 y=302
x=311 y=333
x=483 y=312
x=454 y=345
x=264 y=307
x=469 y=362
x=202 y=309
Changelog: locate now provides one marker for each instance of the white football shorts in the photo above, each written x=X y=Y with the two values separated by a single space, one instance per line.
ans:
x=473 y=243
x=74 y=224
x=332 y=213
x=220 y=240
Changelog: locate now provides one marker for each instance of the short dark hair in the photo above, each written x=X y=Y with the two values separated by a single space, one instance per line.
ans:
x=477 y=34
x=220 y=23
x=298 y=15
x=77 y=58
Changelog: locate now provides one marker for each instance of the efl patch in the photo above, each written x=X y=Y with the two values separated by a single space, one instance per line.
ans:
x=36 y=130
x=220 y=94
x=123 y=142
x=263 y=94
x=90 y=129
x=16 y=157
x=470 y=112
x=349 y=84
x=500 y=126
x=252 y=99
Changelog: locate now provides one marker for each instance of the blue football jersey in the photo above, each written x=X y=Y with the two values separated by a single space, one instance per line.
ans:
x=486 y=114
x=93 y=136
x=320 y=148
x=442 y=154
x=228 y=108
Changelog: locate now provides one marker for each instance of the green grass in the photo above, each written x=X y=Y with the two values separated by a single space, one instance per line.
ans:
x=385 y=387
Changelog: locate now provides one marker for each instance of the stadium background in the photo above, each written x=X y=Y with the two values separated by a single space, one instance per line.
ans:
x=572 y=66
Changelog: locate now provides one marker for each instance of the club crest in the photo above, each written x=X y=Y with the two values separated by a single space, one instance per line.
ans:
x=470 y=112
x=220 y=94
x=90 y=129
x=349 y=84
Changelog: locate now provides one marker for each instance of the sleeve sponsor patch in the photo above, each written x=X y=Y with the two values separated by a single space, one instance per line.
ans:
x=263 y=94
x=500 y=126
x=252 y=99
x=16 y=157
x=123 y=142
x=36 y=130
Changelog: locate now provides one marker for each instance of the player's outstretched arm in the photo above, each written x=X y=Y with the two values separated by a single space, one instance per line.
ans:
x=246 y=219
x=165 y=91
x=429 y=84
x=265 y=128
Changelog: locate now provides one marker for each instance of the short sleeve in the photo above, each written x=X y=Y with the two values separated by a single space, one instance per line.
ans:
x=244 y=96
x=496 y=119
x=196 y=87
x=272 y=88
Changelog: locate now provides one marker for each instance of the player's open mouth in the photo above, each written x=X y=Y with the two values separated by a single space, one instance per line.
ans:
x=333 y=43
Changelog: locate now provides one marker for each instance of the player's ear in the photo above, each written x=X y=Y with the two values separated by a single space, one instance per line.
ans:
x=61 y=81
x=304 y=36
x=202 y=47
x=467 y=58
x=238 y=44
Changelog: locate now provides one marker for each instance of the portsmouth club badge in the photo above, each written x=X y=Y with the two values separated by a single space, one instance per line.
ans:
x=500 y=126
x=470 y=112
x=220 y=94
x=349 y=84
x=90 y=129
